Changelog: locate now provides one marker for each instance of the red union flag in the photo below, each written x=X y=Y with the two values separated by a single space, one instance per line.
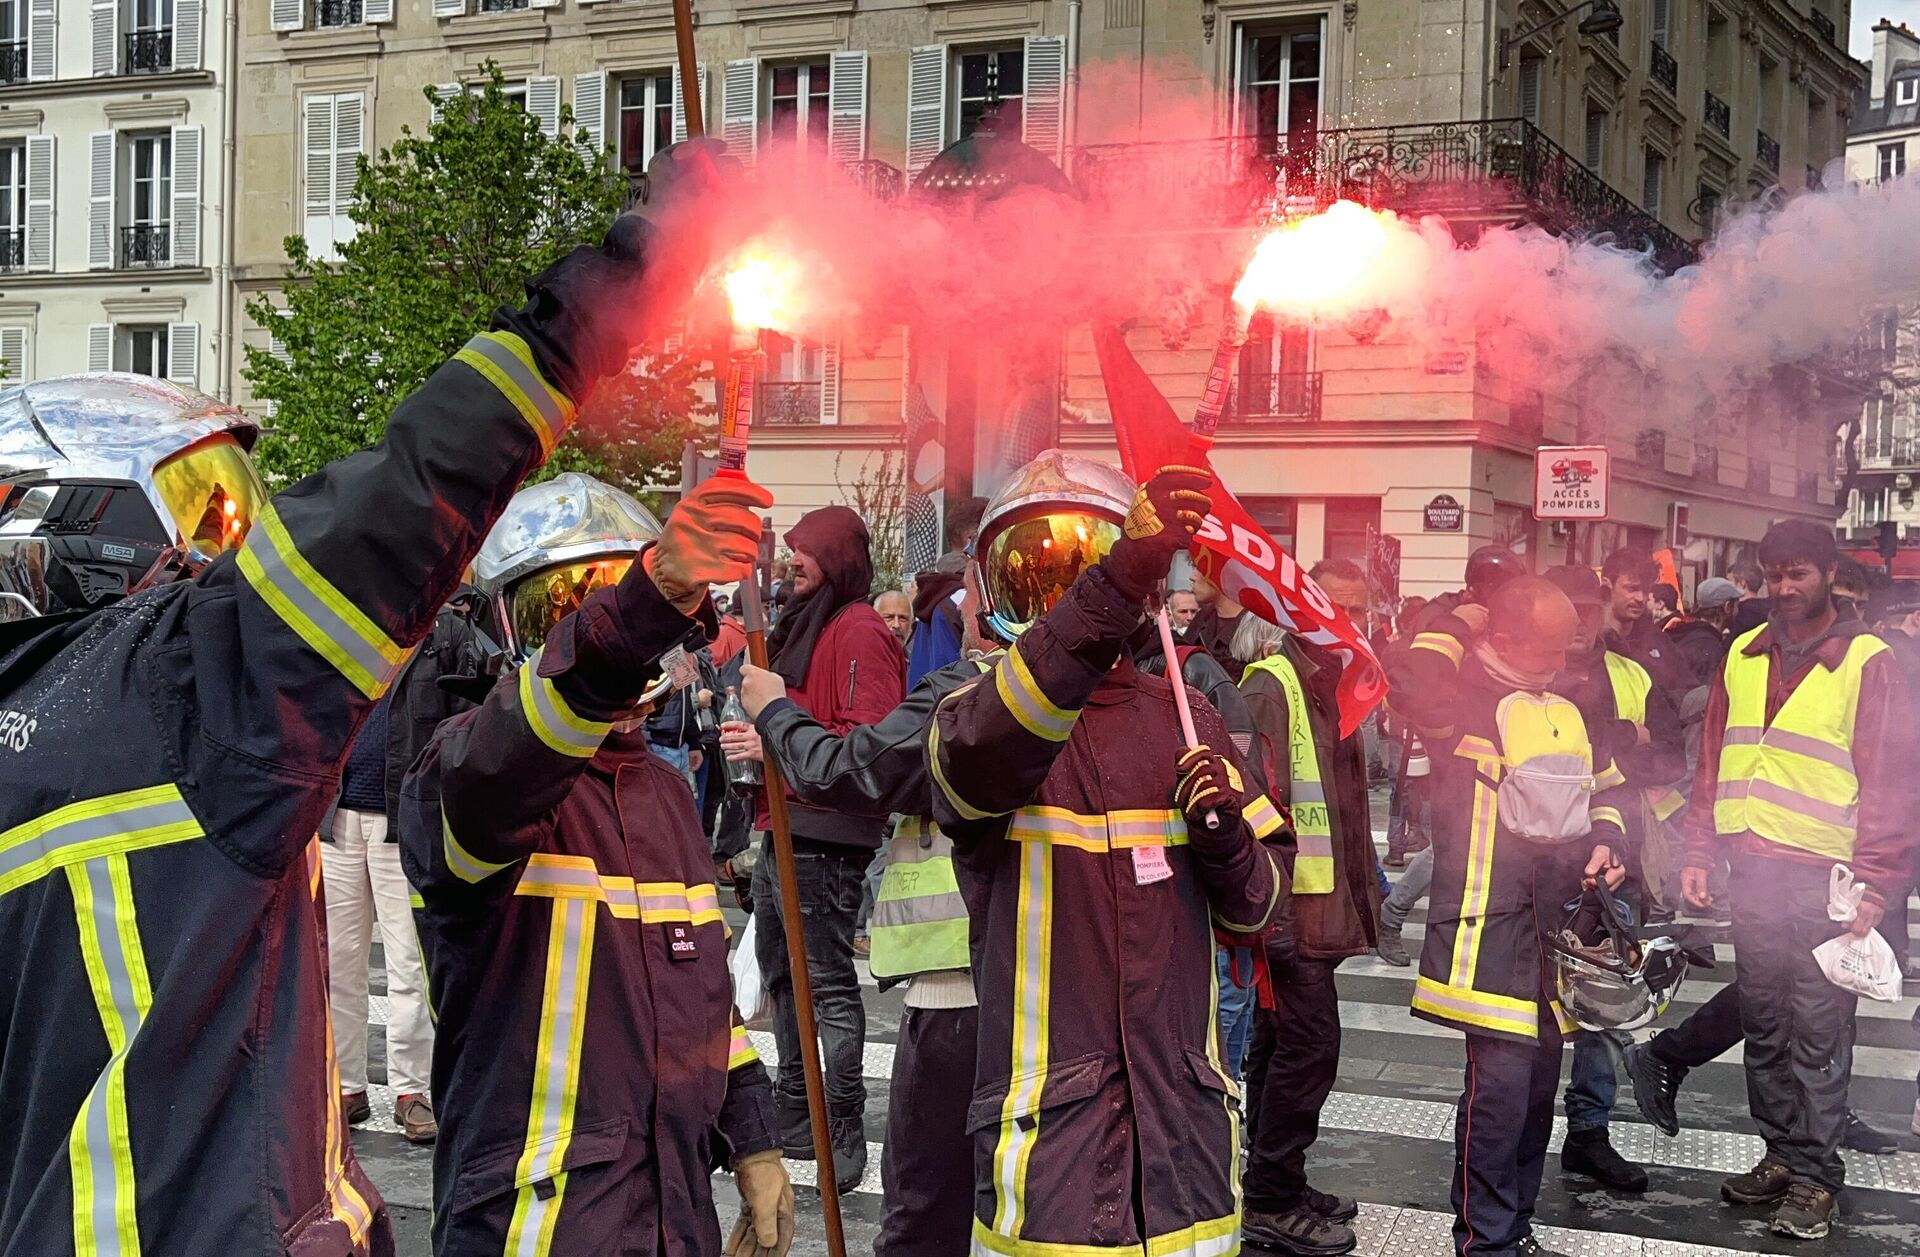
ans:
x=1232 y=550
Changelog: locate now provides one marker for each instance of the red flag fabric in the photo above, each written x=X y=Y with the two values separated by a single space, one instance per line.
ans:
x=1232 y=550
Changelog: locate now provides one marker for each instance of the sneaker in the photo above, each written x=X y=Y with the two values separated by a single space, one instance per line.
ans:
x=1655 y=1085
x=414 y=1112
x=1327 y=1205
x=849 y=1151
x=862 y=946
x=1860 y=1137
x=1299 y=1232
x=1591 y=1153
x=1531 y=1247
x=1806 y=1213
x=1392 y=948
x=355 y=1108
x=1763 y=1184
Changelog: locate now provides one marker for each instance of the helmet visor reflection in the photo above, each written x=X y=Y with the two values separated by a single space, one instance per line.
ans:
x=1028 y=565
x=212 y=493
x=541 y=600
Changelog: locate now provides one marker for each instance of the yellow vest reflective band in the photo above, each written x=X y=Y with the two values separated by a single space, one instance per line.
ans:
x=1631 y=685
x=1793 y=782
x=1312 y=823
x=919 y=920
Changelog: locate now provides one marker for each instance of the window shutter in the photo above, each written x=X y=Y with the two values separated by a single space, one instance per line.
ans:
x=542 y=4
x=1596 y=140
x=100 y=347
x=740 y=108
x=590 y=112
x=1657 y=20
x=1530 y=89
x=185 y=231
x=42 y=36
x=1650 y=194
x=680 y=105
x=847 y=107
x=449 y=8
x=186 y=34
x=40 y=202
x=543 y=102
x=830 y=382
x=100 y=201
x=106 y=37
x=289 y=15
x=926 y=106
x=317 y=134
x=1043 y=112
x=13 y=355
x=442 y=93
x=377 y=11
x=349 y=131
x=183 y=354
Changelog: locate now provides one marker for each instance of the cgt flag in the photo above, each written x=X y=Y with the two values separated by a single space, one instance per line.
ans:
x=1232 y=550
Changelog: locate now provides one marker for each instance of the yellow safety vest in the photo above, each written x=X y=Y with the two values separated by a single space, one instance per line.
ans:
x=1312 y=822
x=1792 y=782
x=1631 y=686
x=919 y=918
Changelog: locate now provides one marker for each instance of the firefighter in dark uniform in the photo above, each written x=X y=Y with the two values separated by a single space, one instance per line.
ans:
x=1475 y=683
x=589 y=1067
x=1103 y=1117
x=166 y=1082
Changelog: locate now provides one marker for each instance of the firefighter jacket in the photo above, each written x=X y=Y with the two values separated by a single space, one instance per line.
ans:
x=1103 y=1118
x=588 y=1069
x=1204 y=673
x=1321 y=778
x=166 y=1074
x=1482 y=969
x=1618 y=698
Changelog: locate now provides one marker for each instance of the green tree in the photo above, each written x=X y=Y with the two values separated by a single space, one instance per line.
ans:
x=449 y=226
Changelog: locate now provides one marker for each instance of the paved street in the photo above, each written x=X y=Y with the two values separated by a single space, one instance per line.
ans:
x=1387 y=1139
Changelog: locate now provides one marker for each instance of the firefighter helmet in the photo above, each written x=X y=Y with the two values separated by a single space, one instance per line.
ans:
x=1490 y=567
x=1057 y=516
x=1605 y=977
x=112 y=482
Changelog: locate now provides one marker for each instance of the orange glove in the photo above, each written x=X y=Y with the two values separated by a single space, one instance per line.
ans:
x=711 y=538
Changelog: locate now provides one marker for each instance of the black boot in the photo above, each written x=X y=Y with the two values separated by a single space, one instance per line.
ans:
x=1299 y=1232
x=1591 y=1153
x=849 y=1150
x=796 y=1127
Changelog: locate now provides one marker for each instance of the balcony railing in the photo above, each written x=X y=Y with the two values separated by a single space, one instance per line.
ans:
x=338 y=12
x=1759 y=475
x=1824 y=25
x=787 y=403
x=1502 y=169
x=149 y=52
x=1664 y=69
x=13 y=248
x=1719 y=115
x=1650 y=447
x=1891 y=452
x=145 y=245
x=1767 y=149
x=1706 y=462
x=1287 y=396
x=501 y=6
x=13 y=62
x=876 y=178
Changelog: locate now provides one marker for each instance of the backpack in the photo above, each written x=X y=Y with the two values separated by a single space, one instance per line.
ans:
x=1547 y=787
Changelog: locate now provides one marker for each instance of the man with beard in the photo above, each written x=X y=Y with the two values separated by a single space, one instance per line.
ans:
x=844 y=668
x=1629 y=576
x=1807 y=741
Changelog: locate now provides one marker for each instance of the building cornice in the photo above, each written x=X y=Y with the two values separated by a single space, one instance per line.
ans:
x=106 y=85
x=18 y=120
x=321 y=43
x=103 y=279
x=147 y=109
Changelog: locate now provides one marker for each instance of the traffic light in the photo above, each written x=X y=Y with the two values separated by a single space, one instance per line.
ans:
x=1889 y=542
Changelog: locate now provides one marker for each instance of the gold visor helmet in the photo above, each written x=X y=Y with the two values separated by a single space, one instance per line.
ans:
x=1057 y=516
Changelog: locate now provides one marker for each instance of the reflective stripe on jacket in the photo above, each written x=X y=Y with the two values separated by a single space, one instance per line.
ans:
x=1792 y=781
x=1312 y=821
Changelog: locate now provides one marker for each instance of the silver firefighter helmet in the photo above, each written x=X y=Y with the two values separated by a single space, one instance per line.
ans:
x=108 y=481
x=1055 y=517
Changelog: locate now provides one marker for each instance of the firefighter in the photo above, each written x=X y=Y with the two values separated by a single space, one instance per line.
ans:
x=1476 y=684
x=1096 y=854
x=200 y=658
x=590 y=1068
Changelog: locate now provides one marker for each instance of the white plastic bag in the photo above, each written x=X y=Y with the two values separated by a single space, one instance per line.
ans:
x=749 y=993
x=1865 y=966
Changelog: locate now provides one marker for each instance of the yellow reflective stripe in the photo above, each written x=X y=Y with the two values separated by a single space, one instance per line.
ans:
x=507 y=363
x=1609 y=777
x=1562 y=1018
x=577 y=877
x=1216 y=1237
x=740 y=1049
x=99 y=1148
x=1442 y=643
x=112 y=824
x=318 y=613
x=1230 y=1092
x=1478 y=888
x=1466 y=1006
x=344 y=1200
x=1099 y=833
x=1599 y=814
x=937 y=762
x=463 y=863
x=1273 y=903
x=552 y=720
x=1032 y=997
x=1028 y=704
x=1473 y=746
x=556 y=1080
x=1262 y=817
x=314 y=868
x=1666 y=802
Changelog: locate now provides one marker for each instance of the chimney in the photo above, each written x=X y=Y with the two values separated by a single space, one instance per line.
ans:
x=1891 y=43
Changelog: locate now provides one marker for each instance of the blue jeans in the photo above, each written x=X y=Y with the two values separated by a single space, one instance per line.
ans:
x=1594 y=1085
x=1236 y=1006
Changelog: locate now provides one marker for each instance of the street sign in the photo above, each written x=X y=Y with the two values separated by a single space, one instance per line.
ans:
x=1570 y=482
x=1444 y=514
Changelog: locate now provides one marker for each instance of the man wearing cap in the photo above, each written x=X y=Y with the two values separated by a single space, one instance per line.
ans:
x=1700 y=639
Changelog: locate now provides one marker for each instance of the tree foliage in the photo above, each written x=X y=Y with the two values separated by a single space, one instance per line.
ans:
x=450 y=225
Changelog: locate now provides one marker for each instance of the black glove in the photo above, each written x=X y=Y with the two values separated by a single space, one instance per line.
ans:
x=1208 y=783
x=1167 y=511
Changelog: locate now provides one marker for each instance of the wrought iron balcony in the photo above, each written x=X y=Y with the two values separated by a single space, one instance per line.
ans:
x=338 y=12
x=1759 y=475
x=13 y=248
x=636 y=188
x=1663 y=69
x=149 y=52
x=876 y=178
x=1767 y=149
x=1824 y=25
x=787 y=403
x=145 y=245
x=1719 y=115
x=1888 y=452
x=1287 y=396
x=13 y=62
x=1474 y=172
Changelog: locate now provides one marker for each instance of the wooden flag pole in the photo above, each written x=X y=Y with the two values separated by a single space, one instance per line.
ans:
x=691 y=105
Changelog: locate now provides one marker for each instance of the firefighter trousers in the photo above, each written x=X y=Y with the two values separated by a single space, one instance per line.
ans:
x=926 y=1172
x=1500 y=1138
x=1290 y=1073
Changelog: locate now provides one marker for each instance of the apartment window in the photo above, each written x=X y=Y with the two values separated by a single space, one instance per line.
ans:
x=13 y=41
x=13 y=206
x=141 y=349
x=1906 y=92
x=1719 y=56
x=1893 y=159
x=797 y=104
x=993 y=86
x=1659 y=22
x=1280 y=77
x=333 y=131
x=144 y=235
x=1273 y=379
x=646 y=120
x=338 y=12
x=1530 y=89
x=149 y=38
x=792 y=388
x=1596 y=140
x=1651 y=186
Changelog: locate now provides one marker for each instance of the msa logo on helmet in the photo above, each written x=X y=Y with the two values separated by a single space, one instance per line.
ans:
x=16 y=730
x=118 y=553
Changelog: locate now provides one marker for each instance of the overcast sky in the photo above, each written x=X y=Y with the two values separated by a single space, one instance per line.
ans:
x=1866 y=13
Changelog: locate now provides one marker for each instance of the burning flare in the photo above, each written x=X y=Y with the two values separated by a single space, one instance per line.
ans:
x=763 y=291
x=1329 y=265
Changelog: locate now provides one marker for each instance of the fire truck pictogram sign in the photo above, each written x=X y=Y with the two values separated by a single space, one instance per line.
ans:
x=1570 y=482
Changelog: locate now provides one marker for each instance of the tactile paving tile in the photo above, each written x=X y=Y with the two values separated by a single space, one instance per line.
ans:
x=1675 y=1248
x=1636 y=1142
x=1899 y=1172
x=1589 y=1243
x=379 y=1010
x=1372 y=1228
x=1559 y=1136
x=1386 y=1115
x=1722 y=1151
x=1417 y=1233
x=1866 y=1171
x=803 y=1173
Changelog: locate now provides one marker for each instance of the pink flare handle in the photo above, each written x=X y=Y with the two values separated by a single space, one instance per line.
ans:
x=1180 y=704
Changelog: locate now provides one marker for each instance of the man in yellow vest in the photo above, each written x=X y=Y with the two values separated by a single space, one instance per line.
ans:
x=1322 y=778
x=1804 y=760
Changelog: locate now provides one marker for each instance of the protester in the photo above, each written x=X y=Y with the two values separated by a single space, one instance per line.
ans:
x=896 y=612
x=1808 y=738
x=1851 y=585
x=1630 y=628
x=1701 y=639
x=936 y=595
x=1663 y=603
x=1182 y=606
x=1211 y=628
x=1752 y=582
x=844 y=668
x=1476 y=682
